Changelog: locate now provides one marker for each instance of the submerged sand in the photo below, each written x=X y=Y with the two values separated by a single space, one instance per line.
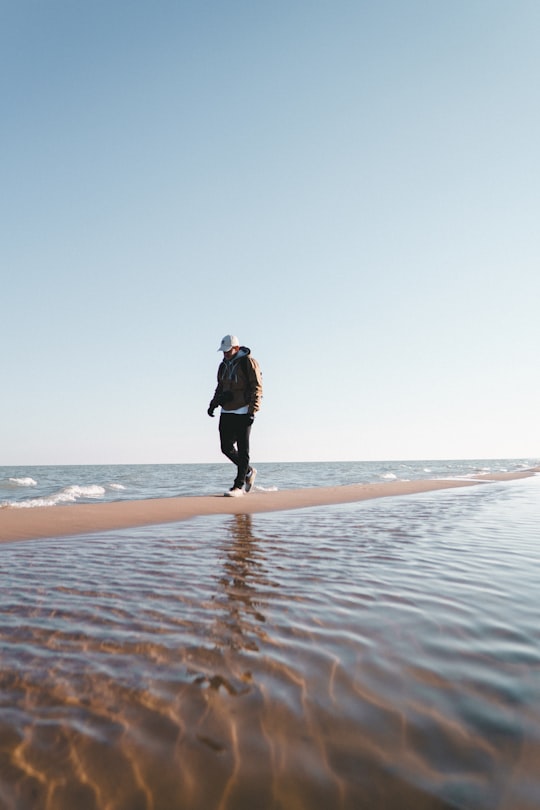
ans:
x=75 y=519
x=377 y=657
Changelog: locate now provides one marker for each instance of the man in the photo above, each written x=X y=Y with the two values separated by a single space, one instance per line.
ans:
x=239 y=392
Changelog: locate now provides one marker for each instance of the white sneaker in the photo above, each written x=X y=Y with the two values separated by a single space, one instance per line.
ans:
x=250 y=479
x=234 y=492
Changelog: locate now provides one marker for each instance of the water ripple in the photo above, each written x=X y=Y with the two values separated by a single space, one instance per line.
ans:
x=380 y=655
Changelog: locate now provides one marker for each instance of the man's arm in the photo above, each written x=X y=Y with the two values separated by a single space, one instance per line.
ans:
x=255 y=386
x=215 y=401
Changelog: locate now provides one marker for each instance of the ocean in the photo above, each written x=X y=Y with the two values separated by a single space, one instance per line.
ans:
x=57 y=485
x=381 y=654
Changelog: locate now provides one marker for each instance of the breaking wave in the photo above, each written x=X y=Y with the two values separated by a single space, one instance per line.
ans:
x=67 y=495
x=22 y=482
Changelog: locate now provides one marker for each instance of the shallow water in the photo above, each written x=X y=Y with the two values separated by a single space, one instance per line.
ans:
x=384 y=654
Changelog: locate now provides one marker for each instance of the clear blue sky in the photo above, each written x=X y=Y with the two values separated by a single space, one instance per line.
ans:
x=351 y=187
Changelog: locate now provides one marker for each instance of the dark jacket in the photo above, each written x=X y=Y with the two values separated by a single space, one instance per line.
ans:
x=239 y=383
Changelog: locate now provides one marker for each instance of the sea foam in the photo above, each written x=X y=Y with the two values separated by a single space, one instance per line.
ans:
x=67 y=495
x=23 y=482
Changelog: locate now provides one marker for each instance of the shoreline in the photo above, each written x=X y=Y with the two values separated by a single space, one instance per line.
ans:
x=76 y=519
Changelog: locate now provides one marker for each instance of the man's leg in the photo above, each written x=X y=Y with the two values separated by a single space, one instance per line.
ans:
x=242 y=439
x=227 y=435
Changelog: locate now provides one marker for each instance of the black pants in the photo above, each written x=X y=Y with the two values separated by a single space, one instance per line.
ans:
x=234 y=429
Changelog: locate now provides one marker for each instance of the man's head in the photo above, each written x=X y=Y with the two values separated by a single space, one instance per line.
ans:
x=229 y=346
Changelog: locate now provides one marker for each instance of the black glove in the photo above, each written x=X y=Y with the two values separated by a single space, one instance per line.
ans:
x=250 y=418
x=210 y=411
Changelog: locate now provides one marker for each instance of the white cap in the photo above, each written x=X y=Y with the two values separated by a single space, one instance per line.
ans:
x=228 y=342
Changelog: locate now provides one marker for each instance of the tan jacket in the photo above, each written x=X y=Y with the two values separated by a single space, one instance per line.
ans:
x=239 y=383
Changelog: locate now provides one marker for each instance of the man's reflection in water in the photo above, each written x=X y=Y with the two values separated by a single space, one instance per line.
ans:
x=244 y=587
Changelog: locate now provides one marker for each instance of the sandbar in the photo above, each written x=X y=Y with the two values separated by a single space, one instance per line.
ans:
x=76 y=519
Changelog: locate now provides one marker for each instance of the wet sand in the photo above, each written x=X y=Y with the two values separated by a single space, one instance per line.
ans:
x=61 y=521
